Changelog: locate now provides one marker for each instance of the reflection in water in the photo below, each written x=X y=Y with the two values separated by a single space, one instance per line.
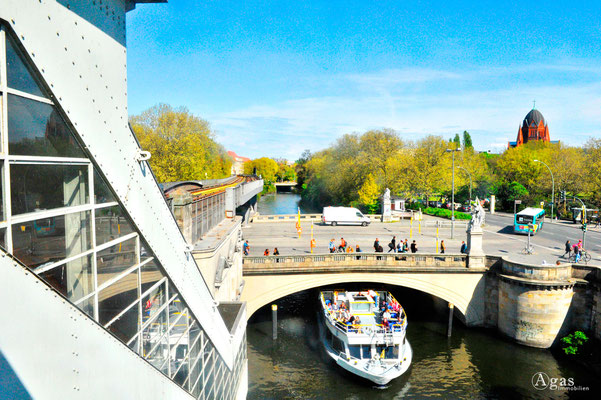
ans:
x=283 y=203
x=471 y=364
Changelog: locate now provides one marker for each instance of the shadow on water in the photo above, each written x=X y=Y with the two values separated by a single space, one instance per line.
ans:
x=472 y=364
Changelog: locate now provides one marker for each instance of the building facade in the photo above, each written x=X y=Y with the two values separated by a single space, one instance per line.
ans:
x=534 y=128
x=101 y=295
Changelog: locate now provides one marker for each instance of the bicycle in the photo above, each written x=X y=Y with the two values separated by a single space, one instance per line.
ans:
x=584 y=256
x=528 y=250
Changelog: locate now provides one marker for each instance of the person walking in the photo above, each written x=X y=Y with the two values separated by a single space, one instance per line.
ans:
x=392 y=245
x=406 y=246
x=442 y=247
x=266 y=252
x=568 y=249
x=463 y=249
x=276 y=252
x=342 y=247
x=245 y=248
x=376 y=244
x=414 y=247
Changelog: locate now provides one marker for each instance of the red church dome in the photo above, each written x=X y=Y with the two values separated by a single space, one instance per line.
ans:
x=534 y=127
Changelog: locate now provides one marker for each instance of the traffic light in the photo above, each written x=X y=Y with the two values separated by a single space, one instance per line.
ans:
x=584 y=227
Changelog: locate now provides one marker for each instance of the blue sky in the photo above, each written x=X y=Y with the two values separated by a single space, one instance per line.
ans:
x=276 y=77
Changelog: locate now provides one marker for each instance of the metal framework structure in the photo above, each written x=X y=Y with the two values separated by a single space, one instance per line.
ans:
x=87 y=220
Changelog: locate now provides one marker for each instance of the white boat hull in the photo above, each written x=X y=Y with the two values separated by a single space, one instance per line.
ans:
x=377 y=374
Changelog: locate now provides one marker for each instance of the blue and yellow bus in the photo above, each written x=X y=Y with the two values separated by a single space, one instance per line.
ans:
x=529 y=216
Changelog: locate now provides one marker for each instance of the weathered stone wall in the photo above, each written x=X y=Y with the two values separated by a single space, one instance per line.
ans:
x=491 y=301
x=596 y=315
x=532 y=314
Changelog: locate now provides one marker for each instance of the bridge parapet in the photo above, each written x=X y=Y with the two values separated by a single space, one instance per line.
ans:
x=327 y=263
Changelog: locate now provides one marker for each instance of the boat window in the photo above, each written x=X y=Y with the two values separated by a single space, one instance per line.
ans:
x=355 y=350
x=366 y=350
x=338 y=344
x=390 y=352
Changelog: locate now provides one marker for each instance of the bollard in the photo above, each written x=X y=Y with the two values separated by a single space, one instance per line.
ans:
x=274 y=319
x=450 y=326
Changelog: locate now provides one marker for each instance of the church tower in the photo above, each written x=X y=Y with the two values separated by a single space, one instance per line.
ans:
x=534 y=127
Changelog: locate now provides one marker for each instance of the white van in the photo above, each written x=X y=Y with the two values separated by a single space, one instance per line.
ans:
x=343 y=216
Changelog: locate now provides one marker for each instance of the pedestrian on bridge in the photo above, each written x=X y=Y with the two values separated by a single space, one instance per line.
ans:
x=392 y=245
x=246 y=248
x=406 y=246
x=463 y=249
x=568 y=249
x=266 y=252
x=332 y=246
x=442 y=247
x=414 y=247
x=376 y=244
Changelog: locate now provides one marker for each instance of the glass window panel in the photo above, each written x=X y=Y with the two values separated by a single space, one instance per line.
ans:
x=18 y=75
x=3 y=238
x=153 y=301
x=44 y=187
x=1 y=186
x=49 y=240
x=111 y=224
x=155 y=335
x=74 y=280
x=151 y=274
x=113 y=299
x=102 y=193
x=116 y=259
x=37 y=129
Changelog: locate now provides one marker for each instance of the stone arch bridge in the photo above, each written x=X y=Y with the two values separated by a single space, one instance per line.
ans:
x=532 y=304
x=442 y=275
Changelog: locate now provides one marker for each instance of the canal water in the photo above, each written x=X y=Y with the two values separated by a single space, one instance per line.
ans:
x=283 y=203
x=472 y=364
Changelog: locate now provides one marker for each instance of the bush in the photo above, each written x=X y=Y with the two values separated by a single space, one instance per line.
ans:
x=573 y=342
x=445 y=213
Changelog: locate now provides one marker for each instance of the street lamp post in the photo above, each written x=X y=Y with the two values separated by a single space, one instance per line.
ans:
x=452 y=151
x=470 y=175
x=552 y=187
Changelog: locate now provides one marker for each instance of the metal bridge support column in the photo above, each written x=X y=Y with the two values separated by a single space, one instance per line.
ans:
x=274 y=320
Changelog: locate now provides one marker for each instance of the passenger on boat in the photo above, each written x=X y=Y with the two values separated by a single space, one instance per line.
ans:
x=385 y=324
x=386 y=315
x=357 y=324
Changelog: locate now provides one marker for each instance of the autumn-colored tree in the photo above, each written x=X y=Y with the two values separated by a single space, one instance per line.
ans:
x=369 y=193
x=182 y=145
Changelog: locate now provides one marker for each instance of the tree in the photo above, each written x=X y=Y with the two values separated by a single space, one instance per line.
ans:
x=457 y=141
x=467 y=140
x=266 y=167
x=369 y=193
x=182 y=145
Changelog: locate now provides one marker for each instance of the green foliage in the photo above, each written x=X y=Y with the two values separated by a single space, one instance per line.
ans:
x=446 y=213
x=467 y=140
x=457 y=141
x=266 y=168
x=573 y=342
x=182 y=145
x=368 y=195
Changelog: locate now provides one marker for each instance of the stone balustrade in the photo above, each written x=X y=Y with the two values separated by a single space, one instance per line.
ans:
x=348 y=261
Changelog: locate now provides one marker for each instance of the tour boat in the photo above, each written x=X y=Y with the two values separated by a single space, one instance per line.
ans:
x=375 y=347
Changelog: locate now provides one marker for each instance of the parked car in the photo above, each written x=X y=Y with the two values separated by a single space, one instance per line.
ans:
x=466 y=208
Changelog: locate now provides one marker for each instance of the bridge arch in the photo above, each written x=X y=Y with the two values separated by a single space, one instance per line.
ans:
x=465 y=291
